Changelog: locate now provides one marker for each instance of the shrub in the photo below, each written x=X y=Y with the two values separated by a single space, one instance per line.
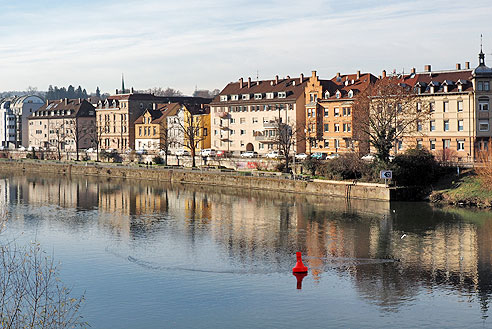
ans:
x=311 y=165
x=280 y=167
x=415 y=168
x=158 y=160
x=347 y=166
x=114 y=156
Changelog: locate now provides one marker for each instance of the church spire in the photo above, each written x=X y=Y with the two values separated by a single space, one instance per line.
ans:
x=122 y=84
x=481 y=56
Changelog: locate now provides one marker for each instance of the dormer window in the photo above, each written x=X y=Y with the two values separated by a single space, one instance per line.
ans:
x=338 y=94
x=282 y=94
x=446 y=88
x=269 y=95
x=327 y=94
x=258 y=96
x=235 y=97
x=432 y=89
x=460 y=87
x=223 y=98
x=245 y=97
x=351 y=93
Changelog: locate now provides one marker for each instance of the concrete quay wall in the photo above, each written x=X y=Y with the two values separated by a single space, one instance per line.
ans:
x=230 y=179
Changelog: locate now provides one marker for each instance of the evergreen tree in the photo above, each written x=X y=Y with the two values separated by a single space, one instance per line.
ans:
x=70 y=92
x=98 y=92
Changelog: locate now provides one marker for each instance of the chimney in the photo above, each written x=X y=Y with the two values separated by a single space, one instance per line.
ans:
x=427 y=68
x=467 y=65
x=241 y=83
x=66 y=101
x=413 y=70
x=384 y=74
x=338 y=74
x=154 y=106
x=458 y=66
x=276 y=79
x=287 y=77
x=116 y=91
x=132 y=90
x=301 y=79
x=249 y=82
x=358 y=75
x=313 y=74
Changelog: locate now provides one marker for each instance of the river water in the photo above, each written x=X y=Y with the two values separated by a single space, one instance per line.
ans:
x=152 y=255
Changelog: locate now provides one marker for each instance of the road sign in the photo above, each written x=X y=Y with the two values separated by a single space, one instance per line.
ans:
x=386 y=174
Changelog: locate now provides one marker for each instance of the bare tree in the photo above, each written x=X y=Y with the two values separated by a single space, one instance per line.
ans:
x=286 y=137
x=192 y=129
x=166 y=140
x=94 y=134
x=385 y=112
x=158 y=91
x=80 y=131
x=57 y=136
x=31 y=294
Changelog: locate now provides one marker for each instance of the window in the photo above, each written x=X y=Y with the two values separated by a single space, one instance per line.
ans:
x=461 y=145
x=483 y=105
x=460 y=125
x=446 y=143
x=400 y=144
x=431 y=106
x=445 y=106
x=419 y=126
x=282 y=94
x=233 y=120
x=419 y=144
x=326 y=127
x=235 y=97
x=460 y=106
x=155 y=131
x=309 y=113
x=432 y=144
x=232 y=131
x=223 y=98
x=243 y=132
x=255 y=120
x=346 y=127
x=446 y=125
x=337 y=127
x=242 y=120
x=215 y=132
x=346 y=111
x=258 y=96
x=336 y=111
x=140 y=131
x=269 y=95
x=483 y=125
x=245 y=97
x=326 y=112
x=486 y=86
x=337 y=143
x=205 y=131
x=326 y=143
x=432 y=125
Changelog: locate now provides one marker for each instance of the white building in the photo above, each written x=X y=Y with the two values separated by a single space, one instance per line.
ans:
x=7 y=123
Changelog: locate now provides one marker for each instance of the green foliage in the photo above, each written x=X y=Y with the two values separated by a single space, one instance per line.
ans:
x=415 y=168
x=158 y=160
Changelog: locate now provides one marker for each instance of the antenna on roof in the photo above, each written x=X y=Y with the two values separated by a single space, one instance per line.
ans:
x=257 y=76
x=481 y=37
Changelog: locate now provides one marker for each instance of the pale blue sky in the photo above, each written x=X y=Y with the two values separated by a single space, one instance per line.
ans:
x=210 y=43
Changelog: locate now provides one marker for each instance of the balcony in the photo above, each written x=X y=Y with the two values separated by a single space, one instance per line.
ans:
x=224 y=128
x=222 y=114
x=264 y=137
x=270 y=125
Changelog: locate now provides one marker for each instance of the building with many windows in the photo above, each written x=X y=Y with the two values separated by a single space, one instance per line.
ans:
x=329 y=115
x=64 y=125
x=459 y=99
x=245 y=115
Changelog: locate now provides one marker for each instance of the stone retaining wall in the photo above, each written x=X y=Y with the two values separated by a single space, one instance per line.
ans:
x=318 y=187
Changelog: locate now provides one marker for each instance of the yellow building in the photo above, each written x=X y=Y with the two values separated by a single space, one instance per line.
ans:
x=151 y=131
x=189 y=126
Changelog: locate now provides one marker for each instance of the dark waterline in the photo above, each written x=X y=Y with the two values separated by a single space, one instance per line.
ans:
x=152 y=255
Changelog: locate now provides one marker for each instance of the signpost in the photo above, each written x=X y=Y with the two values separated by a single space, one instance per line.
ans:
x=386 y=175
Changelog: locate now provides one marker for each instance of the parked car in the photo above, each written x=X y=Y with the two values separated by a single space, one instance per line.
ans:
x=223 y=154
x=333 y=156
x=21 y=148
x=90 y=150
x=141 y=152
x=182 y=153
x=301 y=156
x=162 y=152
x=368 y=157
x=319 y=156
x=208 y=153
x=274 y=155
x=249 y=154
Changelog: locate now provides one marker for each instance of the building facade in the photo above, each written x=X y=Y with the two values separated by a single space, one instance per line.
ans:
x=459 y=127
x=330 y=120
x=116 y=116
x=189 y=125
x=245 y=115
x=64 y=125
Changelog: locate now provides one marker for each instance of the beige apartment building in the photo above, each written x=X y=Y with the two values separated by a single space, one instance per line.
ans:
x=460 y=123
x=245 y=115
x=116 y=116
x=63 y=125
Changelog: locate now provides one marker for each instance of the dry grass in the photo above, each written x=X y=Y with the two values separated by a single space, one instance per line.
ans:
x=484 y=170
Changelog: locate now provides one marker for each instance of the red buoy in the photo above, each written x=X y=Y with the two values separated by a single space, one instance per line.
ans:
x=299 y=268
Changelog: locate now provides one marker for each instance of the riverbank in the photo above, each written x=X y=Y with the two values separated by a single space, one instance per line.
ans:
x=214 y=177
x=463 y=190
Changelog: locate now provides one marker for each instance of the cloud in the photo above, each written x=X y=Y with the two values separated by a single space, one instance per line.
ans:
x=209 y=43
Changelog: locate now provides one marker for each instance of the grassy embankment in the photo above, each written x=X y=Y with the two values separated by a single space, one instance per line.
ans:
x=467 y=189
